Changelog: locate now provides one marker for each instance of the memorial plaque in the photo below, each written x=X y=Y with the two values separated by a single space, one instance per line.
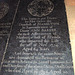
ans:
x=39 y=41
x=7 y=13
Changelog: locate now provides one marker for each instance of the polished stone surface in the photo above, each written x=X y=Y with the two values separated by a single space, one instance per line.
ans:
x=37 y=45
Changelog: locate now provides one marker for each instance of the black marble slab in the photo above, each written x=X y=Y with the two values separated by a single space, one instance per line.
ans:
x=39 y=43
x=7 y=13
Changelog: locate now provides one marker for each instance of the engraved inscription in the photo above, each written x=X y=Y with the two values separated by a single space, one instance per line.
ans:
x=37 y=54
x=38 y=44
